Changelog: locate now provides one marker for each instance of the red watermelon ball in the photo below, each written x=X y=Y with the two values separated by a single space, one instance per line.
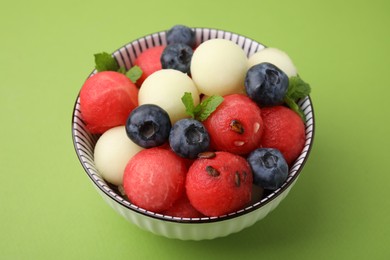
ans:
x=154 y=179
x=283 y=130
x=182 y=208
x=219 y=185
x=149 y=62
x=106 y=100
x=236 y=125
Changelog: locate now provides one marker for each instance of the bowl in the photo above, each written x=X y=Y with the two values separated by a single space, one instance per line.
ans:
x=175 y=227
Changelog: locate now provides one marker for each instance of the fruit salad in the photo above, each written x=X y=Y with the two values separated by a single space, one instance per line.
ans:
x=195 y=130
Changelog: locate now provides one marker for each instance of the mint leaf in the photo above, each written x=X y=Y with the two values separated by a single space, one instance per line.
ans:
x=188 y=102
x=203 y=110
x=104 y=61
x=297 y=88
x=208 y=106
x=294 y=106
x=122 y=70
x=134 y=73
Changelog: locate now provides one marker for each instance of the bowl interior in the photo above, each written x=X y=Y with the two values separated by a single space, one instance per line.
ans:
x=84 y=142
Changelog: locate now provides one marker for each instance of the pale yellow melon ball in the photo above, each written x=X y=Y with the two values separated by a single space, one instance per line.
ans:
x=276 y=57
x=165 y=88
x=112 y=152
x=218 y=67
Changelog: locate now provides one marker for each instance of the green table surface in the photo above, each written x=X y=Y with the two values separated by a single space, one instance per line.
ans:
x=337 y=210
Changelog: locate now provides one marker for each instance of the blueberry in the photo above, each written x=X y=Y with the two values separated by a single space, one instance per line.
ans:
x=269 y=168
x=148 y=126
x=188 y=138
x=181 y=34
x=177 y=56
x=266 y=84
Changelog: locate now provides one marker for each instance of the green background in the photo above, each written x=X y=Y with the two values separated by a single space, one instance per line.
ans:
x=337 y=210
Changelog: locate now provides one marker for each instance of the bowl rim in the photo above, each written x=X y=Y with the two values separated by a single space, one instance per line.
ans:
x=202 y=220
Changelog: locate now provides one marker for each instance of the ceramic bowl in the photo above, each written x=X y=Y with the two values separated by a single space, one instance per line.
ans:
x=174 y=227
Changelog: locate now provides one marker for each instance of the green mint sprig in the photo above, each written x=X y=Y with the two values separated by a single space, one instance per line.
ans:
x=297 y=89
x=204 y=109
x=106 y=62
x=134 y=73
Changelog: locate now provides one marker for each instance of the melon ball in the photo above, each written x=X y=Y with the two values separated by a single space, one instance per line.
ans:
x=218 y=67
x=165 y=88
x=112 y=152
x=276 y=57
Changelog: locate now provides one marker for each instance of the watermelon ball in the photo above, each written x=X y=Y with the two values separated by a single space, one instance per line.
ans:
x=182 y=208
x=283 y=130
x=149 y=62
x=154 y=179
x=219 y=185
x=236 y=125
x=106 y=100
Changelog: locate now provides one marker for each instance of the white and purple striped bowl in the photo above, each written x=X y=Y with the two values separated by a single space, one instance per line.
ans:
x=173 y=227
